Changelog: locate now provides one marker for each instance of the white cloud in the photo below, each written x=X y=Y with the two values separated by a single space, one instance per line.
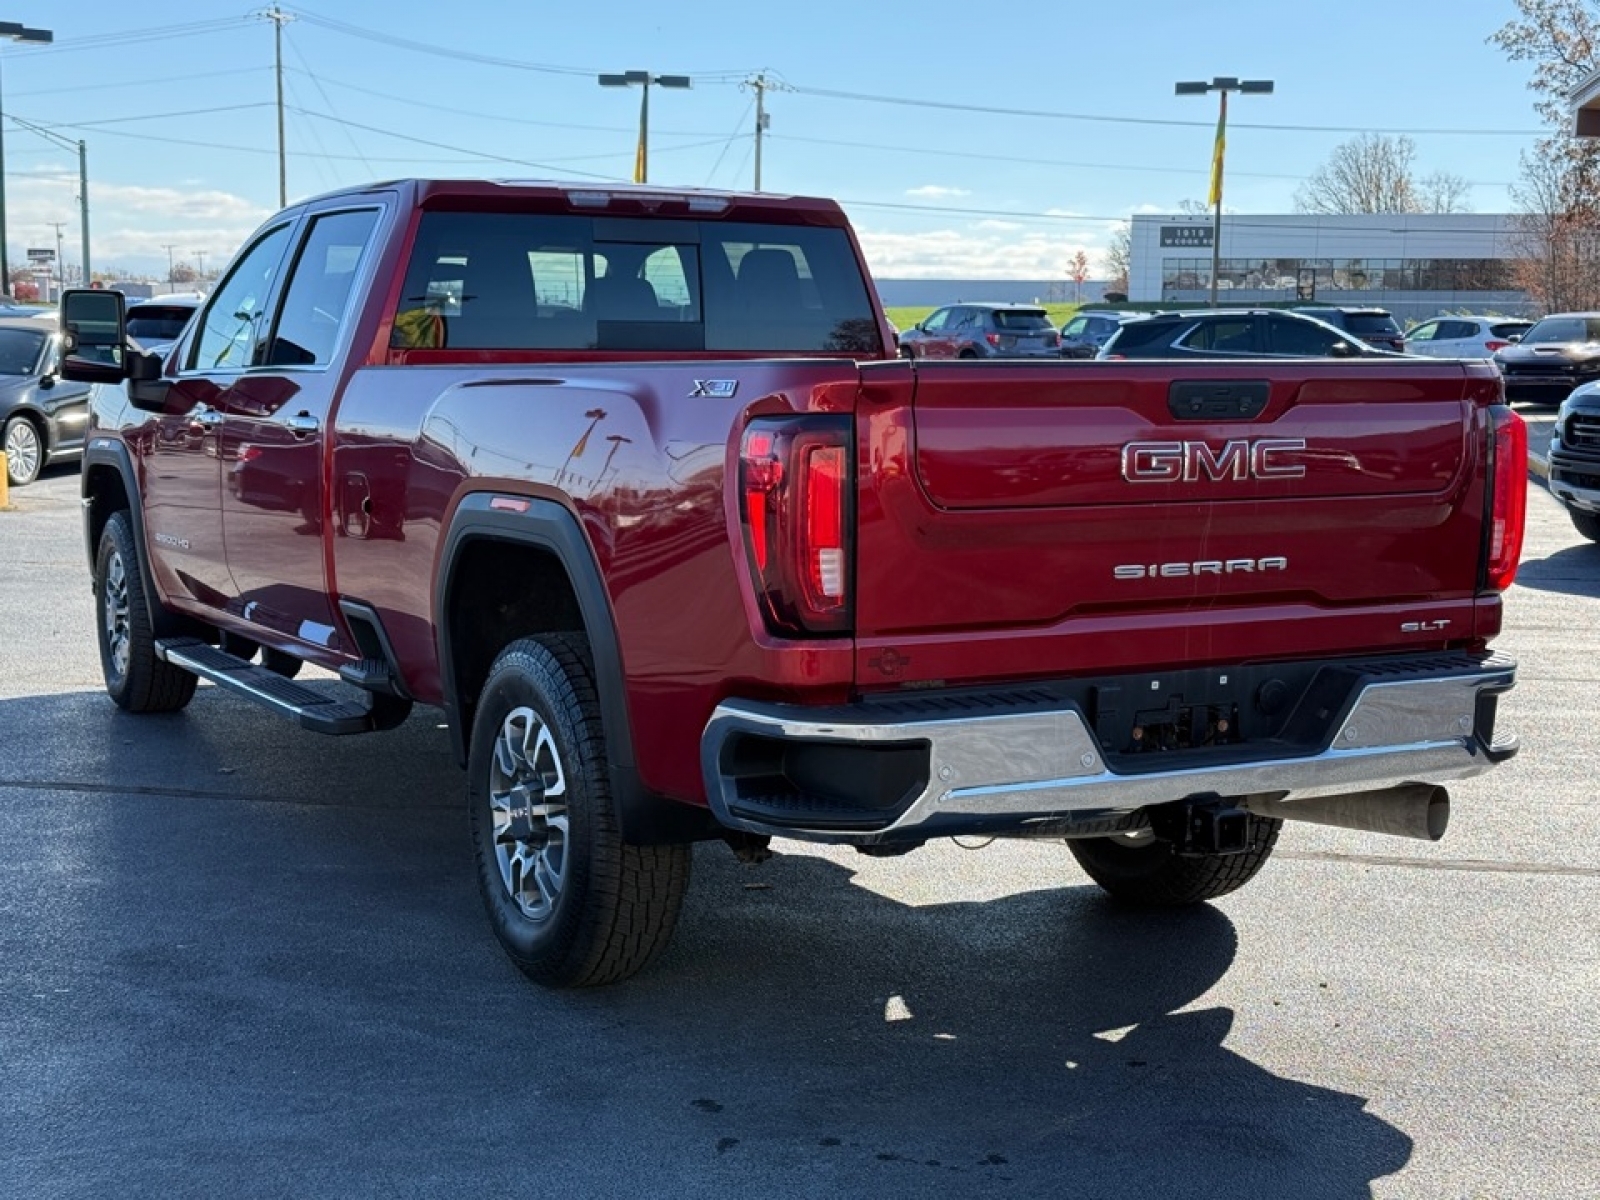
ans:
x=978 y=253
x=130 y=226
x=933 y=191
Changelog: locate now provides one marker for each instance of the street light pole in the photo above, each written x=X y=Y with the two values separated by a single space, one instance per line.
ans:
x=1222 y=85
x=16 y=33
x=641 y=158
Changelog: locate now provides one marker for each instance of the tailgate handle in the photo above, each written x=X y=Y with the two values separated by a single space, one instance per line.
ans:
x=1211 y=399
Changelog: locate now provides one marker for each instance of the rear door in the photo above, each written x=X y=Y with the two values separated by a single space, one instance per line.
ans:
x=1022 y=520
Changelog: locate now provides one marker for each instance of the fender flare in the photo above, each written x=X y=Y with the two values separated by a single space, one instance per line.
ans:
x=643 y=818
x=105 y=452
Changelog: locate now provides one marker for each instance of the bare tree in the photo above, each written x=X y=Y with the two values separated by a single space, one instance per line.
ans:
x=1557 y=232
x=1443 y=192
x=1367 y=174
x=1556 y=235
x=1118 y=257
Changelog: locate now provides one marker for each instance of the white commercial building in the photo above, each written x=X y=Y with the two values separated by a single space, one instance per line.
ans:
x=1416 y=265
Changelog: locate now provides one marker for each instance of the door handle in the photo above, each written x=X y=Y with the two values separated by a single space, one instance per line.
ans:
x=302 y=424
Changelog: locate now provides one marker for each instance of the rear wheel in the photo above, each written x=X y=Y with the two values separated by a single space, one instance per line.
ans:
x=136 y=679
x=1140 y=868
x=571 y=904
x=968 y=354
x=1586 y=523
x=24 y=451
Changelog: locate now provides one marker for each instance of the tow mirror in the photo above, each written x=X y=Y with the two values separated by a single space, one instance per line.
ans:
x=94 y=324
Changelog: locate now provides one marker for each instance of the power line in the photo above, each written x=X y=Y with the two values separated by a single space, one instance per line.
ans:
x=994 y=110
x=130 y=37
x=1056 y=162
x=136 y=84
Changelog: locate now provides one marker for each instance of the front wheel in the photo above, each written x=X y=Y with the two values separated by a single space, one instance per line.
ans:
x=1142 y=869
x=1586 y=523
x=136 y=679
x=570 y=903
x=24 y=451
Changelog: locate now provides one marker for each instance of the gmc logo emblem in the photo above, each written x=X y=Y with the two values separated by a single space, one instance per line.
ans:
x=1187 y=462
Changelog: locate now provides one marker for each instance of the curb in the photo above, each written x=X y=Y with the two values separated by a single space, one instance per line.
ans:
x=1539 y=465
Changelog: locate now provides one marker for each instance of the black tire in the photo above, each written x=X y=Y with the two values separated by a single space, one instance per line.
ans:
x=281 y=663
x=135 y=678
x=1149 y=872
x=276 y=661
x=1586 y=523
x=23 y=443
x=572 y=906
x=968 y=354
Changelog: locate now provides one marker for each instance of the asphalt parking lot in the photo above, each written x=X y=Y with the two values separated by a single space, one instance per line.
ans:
x=237 y=959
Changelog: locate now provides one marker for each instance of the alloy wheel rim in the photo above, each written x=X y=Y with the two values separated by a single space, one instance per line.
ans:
x=22 y=450
x=118 y=637
x=528 y=807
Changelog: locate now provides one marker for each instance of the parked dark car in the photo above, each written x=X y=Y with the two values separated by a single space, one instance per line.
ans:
x=1374 y=326
x=1561 y=352
x=44 y=418
x=156 y=323
x=1232 y=333
x=1574 y=459
x=1087 y=330
x=982 y=331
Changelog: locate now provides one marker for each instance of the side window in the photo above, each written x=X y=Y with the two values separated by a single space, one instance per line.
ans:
x=234 y=323
x=1075 y=326
x=1424 y=333
x=319 y=290
x=1456 y=330
x=1302 y=338
x=1236 y=336
x=937 y=322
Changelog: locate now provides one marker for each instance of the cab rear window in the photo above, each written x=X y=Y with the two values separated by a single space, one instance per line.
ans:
x=511 y=281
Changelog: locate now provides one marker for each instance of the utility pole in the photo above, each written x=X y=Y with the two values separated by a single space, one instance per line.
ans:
x=762 y=119
x=83 y=206
x=279 y=19
x=200 y=257
x=170 y=267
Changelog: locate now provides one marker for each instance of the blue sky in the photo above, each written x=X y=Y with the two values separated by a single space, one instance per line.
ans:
x=175 y=103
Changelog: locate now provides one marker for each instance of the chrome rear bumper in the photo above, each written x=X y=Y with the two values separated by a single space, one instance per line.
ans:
x=1004 y=772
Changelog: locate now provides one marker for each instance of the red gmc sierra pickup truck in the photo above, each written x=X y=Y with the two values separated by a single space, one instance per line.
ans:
x=631 y=484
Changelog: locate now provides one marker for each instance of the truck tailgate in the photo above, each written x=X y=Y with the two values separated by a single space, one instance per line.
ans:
x=1020 y=520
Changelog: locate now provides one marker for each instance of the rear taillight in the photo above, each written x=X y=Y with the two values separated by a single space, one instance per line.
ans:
x=796 y=487
x=1492 y=346
x=1508 y=499
x=992 y=338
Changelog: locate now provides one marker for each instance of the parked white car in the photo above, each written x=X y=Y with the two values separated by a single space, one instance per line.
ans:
x=1465 y=337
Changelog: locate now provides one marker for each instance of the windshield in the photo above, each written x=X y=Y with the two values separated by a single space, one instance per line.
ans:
x=19 y=351
x=1564 y=329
